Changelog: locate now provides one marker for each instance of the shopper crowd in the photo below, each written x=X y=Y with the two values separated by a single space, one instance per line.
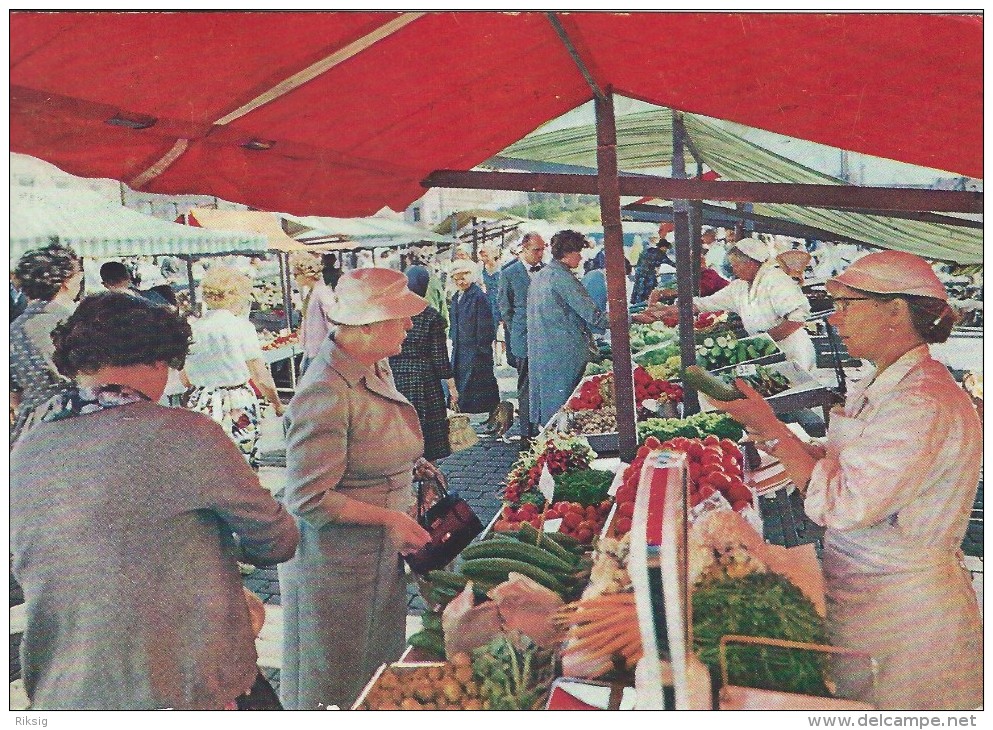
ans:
x=149 y=498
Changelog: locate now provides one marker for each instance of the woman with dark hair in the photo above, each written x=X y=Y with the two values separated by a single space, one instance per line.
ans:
x=52 y=278
x=127 y=519
x=562 y=319
x=894 y=486
x=421 y=366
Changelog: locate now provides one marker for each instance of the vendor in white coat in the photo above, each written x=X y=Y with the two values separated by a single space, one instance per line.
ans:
x=766 y=299
x=894 y=487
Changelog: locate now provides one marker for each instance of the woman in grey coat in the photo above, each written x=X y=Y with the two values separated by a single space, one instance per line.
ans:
x=561 y=321
x=352 y=444
x=125 y=524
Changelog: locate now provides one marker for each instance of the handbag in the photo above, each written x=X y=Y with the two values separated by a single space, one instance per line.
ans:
x=460 y=434
x=452 y=525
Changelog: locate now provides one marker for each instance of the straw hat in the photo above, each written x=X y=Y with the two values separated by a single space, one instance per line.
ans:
x=465 y=266
x=892 y=272
x=365 y=296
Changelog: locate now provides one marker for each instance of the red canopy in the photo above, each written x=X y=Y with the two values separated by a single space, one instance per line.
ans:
x=158 y=99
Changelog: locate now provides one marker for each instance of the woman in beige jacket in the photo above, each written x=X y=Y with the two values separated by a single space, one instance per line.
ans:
x=352 y=446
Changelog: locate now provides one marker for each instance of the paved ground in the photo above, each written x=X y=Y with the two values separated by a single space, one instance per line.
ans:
x=476 y=474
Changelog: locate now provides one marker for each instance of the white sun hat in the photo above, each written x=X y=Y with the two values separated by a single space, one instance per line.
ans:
x=365 y=296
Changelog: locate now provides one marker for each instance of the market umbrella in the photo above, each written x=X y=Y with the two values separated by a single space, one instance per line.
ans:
x=342 y=113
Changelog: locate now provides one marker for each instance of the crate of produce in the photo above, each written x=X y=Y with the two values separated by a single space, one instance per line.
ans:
x=726 y=351
x=422 y=686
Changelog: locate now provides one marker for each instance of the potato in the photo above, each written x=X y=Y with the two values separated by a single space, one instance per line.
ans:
x=461 y=659
x=472 y=704
x=435 y=674
x=410 y=704
x=463 y=674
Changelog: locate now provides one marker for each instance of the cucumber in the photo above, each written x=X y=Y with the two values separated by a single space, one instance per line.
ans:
x=517 y=550
x=529 y=536
x=698 y=378
x=447 y=579
x=431 y=621
x=499 y=568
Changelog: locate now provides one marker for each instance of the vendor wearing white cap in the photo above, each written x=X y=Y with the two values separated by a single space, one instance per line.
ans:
x=352 y=444
x=894 y=487
x=766 y=299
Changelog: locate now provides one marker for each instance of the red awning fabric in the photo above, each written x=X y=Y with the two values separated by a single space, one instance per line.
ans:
x=392 y=96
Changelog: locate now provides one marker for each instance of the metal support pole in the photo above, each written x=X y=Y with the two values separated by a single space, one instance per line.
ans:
x=192 y=284
x=684 y=267
x=613 y=244
x=284 y=279
x=696 y=245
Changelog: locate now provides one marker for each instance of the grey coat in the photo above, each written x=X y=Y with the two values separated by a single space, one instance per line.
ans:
x=561 y=320
x=121 y=532
x=514 y=283
x=352 y=438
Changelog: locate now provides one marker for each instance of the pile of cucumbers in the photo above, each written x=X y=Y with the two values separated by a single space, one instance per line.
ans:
x=557 y=562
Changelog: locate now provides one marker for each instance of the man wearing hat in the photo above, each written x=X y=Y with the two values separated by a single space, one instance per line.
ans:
x=894 y=487
x=354 y=445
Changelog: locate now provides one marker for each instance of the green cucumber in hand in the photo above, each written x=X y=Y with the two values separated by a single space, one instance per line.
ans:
x=698 y=378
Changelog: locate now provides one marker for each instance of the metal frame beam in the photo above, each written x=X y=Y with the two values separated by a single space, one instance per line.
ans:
x=617 y=305
x=814 y=196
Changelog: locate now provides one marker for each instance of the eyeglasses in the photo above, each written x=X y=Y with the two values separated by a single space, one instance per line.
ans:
x=841 y=303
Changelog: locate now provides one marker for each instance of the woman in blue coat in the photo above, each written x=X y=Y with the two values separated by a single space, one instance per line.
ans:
x=562 y=319
x=472 y=332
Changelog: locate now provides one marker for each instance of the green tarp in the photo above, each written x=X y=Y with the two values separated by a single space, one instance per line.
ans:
x=644 y=141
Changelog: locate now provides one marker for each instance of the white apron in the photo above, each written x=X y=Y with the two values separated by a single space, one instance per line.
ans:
x=910 y=606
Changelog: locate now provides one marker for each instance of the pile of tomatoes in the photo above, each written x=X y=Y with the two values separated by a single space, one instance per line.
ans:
x=582 y=523
x=714 y=464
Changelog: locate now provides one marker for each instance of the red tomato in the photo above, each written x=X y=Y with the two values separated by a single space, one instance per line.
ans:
x=623 y=525
x=643 y=452
x=585 y=535
x=626 y=509
x=711 y=463
x=695 y=471
x=695 y=449
x=652 y=442
x=740 y=505
x=731 y=465
x=695 y=499
x=605 y=505
x=719 y=480
x=706 y=491
x=729 y=445
x=739 y=494
x=527 y=509
x=591 y=513
x=552 y=514
x=535 y=522
x=711 y=440
x=625 y=494
x=571 y=520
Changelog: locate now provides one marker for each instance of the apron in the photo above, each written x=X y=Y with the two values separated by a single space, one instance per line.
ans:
x=911 y=607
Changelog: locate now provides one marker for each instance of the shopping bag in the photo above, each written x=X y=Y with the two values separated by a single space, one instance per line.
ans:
x=460 y=434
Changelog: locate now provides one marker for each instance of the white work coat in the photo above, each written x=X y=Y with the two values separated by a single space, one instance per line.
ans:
x=769 y=300
x=895 y=492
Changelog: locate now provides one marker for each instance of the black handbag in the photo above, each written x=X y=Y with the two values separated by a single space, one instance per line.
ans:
x=452 y=525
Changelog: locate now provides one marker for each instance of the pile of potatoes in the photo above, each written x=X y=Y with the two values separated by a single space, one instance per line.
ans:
x=448 y=686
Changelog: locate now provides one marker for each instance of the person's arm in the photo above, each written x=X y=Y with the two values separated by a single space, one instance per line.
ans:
x=226 y=485
x=578 y=299
x=485 y=328
x=263 y=381
x=506 y=299
x=756 y=415
x=784 y=329
x=724 y=299
x=316 y=454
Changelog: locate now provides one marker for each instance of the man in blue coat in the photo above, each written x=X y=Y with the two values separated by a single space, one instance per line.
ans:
x=562 y=319
x=514 y=282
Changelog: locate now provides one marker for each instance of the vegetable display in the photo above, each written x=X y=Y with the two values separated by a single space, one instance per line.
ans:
x=559 y=452
x=722 y=350
x=513 y=673
x=766 y=381
x=601 y=633
x=698 y=425
x=448 y=686
x=765 y=605
x=587 y=487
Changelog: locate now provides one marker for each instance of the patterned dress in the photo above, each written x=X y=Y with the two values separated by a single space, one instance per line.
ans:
x=646 y=273
x=223 y=343
x=31 y=368
x=418 y=371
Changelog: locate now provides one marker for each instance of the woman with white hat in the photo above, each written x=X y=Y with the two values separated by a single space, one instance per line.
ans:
x=352 y=445
x=894 y=486
x=473 y=332
x=766 y=299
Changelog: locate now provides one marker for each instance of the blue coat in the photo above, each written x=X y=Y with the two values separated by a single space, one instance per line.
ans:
x=514 y=283
x=561 y=321
x=473 y=332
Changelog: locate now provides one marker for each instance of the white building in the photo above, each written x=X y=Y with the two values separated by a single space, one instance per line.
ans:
x=438 y=203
